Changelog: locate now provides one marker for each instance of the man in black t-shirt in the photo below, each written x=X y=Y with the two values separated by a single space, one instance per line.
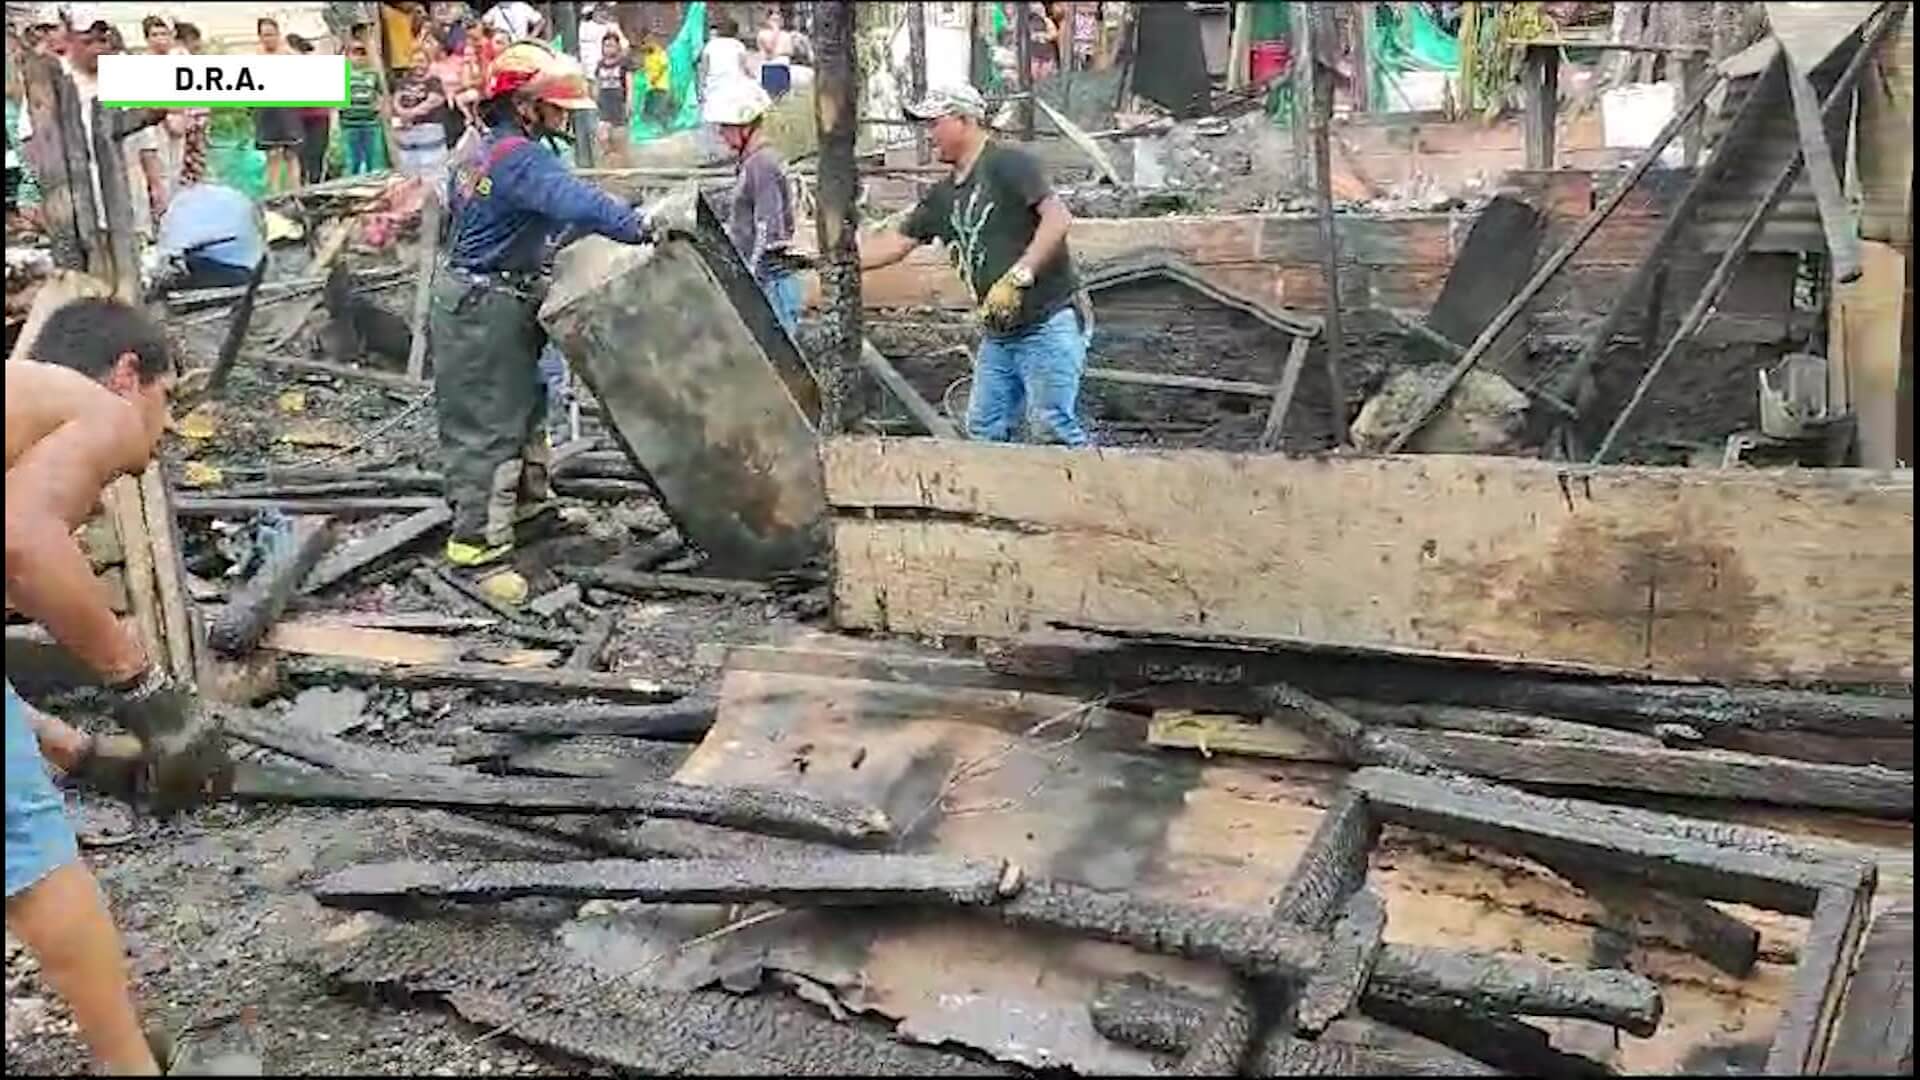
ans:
x=1006 y=234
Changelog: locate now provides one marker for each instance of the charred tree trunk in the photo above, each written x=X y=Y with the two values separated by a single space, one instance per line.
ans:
x=917 y=71
x=835 y=105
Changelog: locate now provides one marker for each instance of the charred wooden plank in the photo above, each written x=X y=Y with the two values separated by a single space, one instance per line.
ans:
x=603 y=488
x=636 y=583
x=1258 y=947
x=1361 y=744
x=248 y=616
x=685 y=719
x=1451 y=979
x=1225 y=1041
x=1335 y=987
x=1152 y=1015
x=1509 y=1045
x=836 y=880
x=1658 y=850
x=1690 y=923
x=1820 y=979
x=506 y=681
x=1759 y=719
x=378 y=546
x=1333 y=866
x=513 y=620
x=777 y=813
x=1874 y=1035
x=331 y=752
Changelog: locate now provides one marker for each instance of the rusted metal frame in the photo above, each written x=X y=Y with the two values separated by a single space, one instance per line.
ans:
x=1431 y=405
x=1750 y=229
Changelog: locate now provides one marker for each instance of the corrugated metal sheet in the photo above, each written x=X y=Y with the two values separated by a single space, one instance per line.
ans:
x=1884 y=146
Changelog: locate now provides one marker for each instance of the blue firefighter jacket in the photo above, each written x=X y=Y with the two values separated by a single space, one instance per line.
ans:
x=511 y=197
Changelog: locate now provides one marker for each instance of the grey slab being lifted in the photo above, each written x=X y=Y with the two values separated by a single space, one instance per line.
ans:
x=704 y=390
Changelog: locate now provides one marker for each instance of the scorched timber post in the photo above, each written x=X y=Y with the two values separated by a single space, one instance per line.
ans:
x=836 y=97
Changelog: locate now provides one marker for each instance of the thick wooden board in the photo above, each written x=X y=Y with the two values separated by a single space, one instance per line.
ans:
x=319 y=637
x=1719 y=574
x=1875 y=1031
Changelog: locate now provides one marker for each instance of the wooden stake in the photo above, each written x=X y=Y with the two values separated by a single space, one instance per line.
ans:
x=129 y=520
x=917 y=72
x=423 y=291
x=836 y=101
x=176 y=615
x=1318 y=86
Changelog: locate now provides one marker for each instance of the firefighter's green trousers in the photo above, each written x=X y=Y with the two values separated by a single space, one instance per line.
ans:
x=491 y=402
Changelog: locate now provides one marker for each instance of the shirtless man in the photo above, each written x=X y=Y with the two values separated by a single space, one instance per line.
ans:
x=89 y=406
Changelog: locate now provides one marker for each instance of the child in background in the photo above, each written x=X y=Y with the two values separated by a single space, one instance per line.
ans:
x=613 y=96
x=655 y=69
x=360 y=120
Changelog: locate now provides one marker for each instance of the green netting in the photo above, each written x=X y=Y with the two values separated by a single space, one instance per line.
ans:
x=1405 y=38
x=683 y=76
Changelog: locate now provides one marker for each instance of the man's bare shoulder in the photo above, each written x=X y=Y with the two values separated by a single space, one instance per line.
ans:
x=43 y=397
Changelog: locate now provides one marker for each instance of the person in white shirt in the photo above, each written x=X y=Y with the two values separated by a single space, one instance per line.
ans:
x=512 y=20
x=598 y=24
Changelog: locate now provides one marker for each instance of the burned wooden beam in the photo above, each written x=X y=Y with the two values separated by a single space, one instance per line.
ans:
x=507 y=681
x=1153 y=1015
x=687 y=719
x=1450 y=979
x=376 y=547
x=249 y=615
x=1259 y=948
x=593 y=644
x=1335 y=986
x=1658 y=850
x=777 y=813
x=449 y=588
x=1806 y=724
x=1684 y=921
x=635 y=583
x=330 y=752
x=603 y=488
x=827 y=881
x=1225 y=1040
x=1333 y=866
x=1508 y=1045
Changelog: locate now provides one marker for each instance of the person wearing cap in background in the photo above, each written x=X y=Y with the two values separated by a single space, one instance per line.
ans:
x=1006 y=234
x=760 y=218
x=509 y=200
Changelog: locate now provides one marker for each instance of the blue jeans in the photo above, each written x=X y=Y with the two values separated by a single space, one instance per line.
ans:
x=554 y=375
x=360 y=146
x=40 y=839
x=1037 y=367
x=783 y=292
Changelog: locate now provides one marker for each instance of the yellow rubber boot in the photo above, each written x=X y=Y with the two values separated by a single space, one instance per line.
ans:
x=463 y=554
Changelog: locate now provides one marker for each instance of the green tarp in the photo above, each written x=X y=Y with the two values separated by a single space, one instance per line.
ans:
x=683 y=77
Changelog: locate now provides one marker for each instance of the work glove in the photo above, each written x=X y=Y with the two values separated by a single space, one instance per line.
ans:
x=674 y=212
x=184 y=749
x=1001 y=306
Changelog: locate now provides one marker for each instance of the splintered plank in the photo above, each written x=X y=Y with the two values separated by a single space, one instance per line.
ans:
x=633 y=759
x=827 y=880
x=374 y=644
x=637 y=583
x=686 y=719
x=1874 y=1035
x=1257 y=947
x=1723 y=574
x=514 y=682
x=778 y=813
x=1654 y=849
x=331 y=752
x=1153 y=1015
